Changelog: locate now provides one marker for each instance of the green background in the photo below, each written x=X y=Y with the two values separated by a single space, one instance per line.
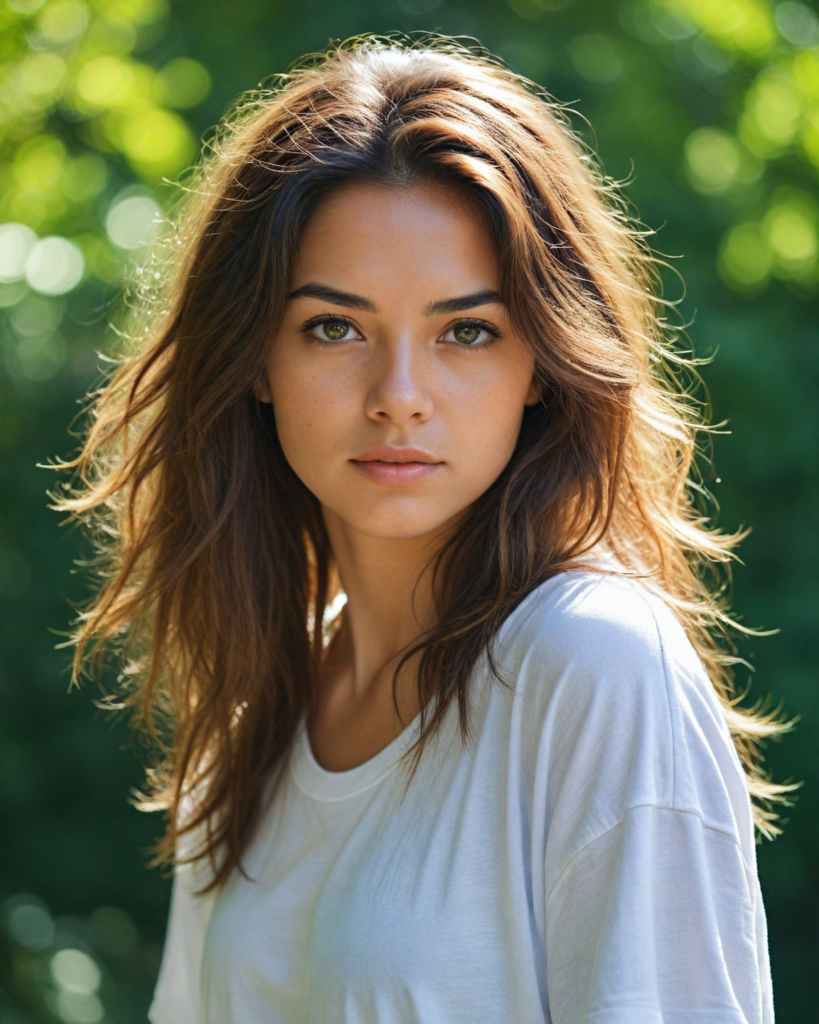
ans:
x=709 y=109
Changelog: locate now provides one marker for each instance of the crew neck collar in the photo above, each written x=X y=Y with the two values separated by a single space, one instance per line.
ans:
x=321 y=784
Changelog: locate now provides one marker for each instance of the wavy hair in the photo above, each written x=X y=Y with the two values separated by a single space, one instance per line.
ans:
x=214 y=564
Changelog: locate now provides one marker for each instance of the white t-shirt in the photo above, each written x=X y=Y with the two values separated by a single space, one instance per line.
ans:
x=588 y=856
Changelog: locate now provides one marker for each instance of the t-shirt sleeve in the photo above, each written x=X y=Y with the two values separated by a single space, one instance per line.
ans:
x=176 y=996
x=646 y=876
x=655 y=922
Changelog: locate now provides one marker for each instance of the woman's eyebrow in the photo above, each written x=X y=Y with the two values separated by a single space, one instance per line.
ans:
x=482 y=298
x=314 y=290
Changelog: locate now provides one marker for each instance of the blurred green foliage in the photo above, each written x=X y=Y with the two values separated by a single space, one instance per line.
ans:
x=710 y=109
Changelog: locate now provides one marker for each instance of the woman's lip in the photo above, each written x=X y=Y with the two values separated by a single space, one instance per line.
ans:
x=390 y=453
x=396 y=474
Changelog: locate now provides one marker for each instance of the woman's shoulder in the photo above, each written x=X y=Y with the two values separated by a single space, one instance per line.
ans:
x=597 y=620
x=609 y=689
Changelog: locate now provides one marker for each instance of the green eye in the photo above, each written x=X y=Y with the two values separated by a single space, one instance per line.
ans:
x=466 y=334
x=335 y=330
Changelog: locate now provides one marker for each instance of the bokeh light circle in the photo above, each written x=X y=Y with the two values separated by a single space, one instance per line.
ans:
x=30 y=924
x=75 y=971
x=54 y=266
x=132 y=221
x=16 y=242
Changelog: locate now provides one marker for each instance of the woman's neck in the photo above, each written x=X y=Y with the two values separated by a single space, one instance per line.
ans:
x=389 y=598
x=389 y=605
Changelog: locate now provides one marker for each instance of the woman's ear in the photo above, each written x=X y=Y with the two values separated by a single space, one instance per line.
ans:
x=535 y=393
x=262 y=389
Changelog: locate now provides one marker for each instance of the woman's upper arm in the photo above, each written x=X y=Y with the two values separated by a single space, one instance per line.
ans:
x=657 y=921
x=176 y=996
x=647 y=882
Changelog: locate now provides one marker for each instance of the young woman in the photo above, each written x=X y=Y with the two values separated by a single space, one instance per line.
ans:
x=409 y=356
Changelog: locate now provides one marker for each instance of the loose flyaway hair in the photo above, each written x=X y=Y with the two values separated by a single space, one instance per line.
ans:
x=214 y=566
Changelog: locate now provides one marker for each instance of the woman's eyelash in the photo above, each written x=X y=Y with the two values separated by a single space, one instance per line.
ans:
x=482 y=324
x=325 y=318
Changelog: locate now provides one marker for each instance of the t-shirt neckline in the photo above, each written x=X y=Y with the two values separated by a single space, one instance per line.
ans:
x=321 y=784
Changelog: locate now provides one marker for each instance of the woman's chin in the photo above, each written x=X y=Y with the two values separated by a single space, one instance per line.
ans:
x=399 y=521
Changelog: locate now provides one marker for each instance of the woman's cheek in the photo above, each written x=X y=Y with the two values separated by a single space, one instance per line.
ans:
x=488 y=429
x=313 y=414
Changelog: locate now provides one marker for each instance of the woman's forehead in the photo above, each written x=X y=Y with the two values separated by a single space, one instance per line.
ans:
x=420 y=236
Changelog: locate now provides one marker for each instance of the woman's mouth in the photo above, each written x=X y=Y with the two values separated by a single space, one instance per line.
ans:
x=396 y=467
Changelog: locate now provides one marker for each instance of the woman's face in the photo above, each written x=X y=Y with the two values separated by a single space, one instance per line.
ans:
x=397 y=381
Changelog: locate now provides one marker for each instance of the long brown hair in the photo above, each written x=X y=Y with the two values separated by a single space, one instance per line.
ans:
x=215 y=567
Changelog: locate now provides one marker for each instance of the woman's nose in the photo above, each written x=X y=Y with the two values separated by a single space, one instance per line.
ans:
x=399 y=385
